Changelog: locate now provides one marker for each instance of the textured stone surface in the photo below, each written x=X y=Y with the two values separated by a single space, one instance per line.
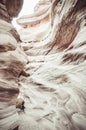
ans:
x=55 y=91
x=53 y=82
x=12 y=61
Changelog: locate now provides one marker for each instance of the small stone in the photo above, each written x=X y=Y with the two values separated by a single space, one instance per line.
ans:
x=20 y=104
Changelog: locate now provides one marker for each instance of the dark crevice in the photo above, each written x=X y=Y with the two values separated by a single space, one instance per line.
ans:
x=16 y=128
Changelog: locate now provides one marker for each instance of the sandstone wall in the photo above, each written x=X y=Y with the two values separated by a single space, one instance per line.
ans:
x=12 y=61
x=55 y=91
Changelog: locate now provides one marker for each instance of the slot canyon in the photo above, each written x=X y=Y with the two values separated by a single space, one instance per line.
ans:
x=43 y=66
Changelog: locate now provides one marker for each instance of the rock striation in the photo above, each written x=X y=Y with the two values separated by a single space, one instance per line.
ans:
x=12 y=62
x=36 y=27
x=55 y=91
x=47 y=70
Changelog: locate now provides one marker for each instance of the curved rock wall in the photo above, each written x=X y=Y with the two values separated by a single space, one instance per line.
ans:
x=36 y=27
x=12 y=62
x=55 y=91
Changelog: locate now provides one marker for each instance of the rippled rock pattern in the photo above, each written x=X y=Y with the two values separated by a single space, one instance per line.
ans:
x=36 y=27
x=55 y=91
x=12 y=61
x=53 y=83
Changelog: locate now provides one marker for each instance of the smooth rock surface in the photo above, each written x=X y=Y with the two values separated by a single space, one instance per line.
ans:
x=36 y=27
x=55 y=91
x=53 y=82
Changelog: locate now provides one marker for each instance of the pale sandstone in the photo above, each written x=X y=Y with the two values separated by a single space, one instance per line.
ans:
x=12 y=62
x=55 y=91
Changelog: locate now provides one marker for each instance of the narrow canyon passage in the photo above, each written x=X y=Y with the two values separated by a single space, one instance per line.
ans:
x=43 y=66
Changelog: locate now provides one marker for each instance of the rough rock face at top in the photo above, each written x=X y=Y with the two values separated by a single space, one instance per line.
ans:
x=12 y=61
x=55 y=91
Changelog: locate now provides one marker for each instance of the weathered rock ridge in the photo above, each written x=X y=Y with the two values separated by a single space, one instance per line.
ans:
x=54 y=91
x=12 y=61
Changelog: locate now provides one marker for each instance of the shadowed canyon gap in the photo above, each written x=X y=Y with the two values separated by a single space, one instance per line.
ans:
x=43 y=66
